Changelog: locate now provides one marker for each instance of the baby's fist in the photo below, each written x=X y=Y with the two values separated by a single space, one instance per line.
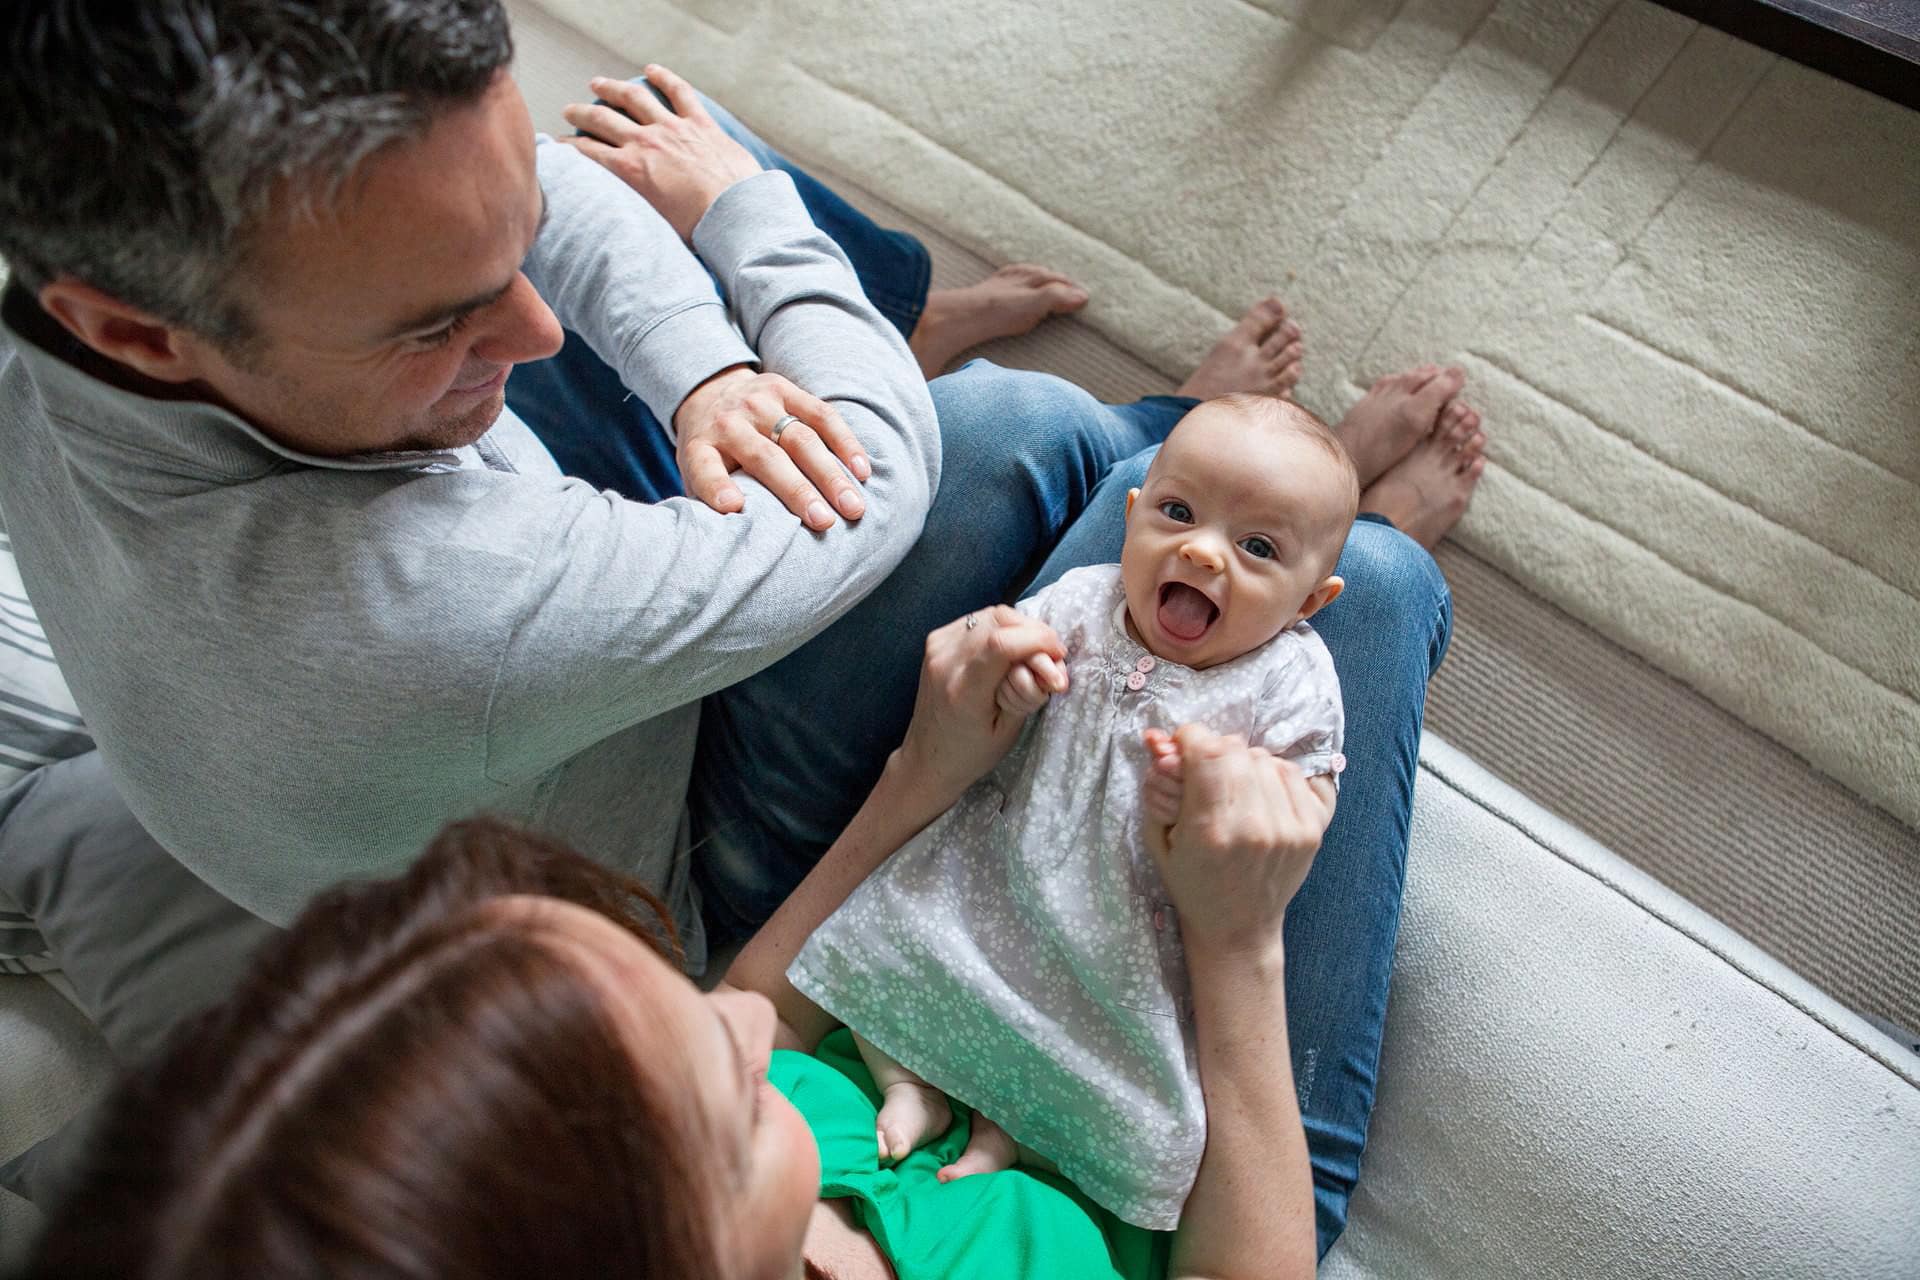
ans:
x=1029 y=685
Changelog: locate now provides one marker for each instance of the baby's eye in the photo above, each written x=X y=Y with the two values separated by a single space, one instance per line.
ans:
x=1174 y=509
x=1259 y=548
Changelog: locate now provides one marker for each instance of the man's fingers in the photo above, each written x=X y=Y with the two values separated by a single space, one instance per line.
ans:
x=803 y=444
x=635 y=99
x=833 y=429
x=685 y=101
x=600 y=122
x=707 y=479
x=768 y=463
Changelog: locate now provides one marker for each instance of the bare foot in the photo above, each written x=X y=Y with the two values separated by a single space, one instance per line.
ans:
x=1397 y=411
x=912 y=1114
x=1426 y=492
x=1261 y=353
x=1009 y=302
x=989 y=1150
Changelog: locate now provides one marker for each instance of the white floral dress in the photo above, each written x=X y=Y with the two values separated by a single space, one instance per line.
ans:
x=1020 y=953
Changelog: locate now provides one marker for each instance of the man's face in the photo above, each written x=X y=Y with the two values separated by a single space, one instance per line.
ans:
x=390 y=322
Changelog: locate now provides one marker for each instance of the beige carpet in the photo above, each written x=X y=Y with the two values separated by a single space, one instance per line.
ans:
x=1684 y=274
x=1651 y=768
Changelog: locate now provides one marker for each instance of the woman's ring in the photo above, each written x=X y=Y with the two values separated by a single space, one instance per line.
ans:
x=780 y=425
x=973 y=620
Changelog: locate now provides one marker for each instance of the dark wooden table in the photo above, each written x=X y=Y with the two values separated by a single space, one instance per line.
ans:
x=1871 y=43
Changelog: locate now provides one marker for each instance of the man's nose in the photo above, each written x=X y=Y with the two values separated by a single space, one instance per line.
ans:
x=523 y=327
x=1203 y=553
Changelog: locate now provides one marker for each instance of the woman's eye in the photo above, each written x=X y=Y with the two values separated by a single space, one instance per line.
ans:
x=1258 y=548
x=1174 y=509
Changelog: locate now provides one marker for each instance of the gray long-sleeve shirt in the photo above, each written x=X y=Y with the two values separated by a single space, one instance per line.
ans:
x=299 y=668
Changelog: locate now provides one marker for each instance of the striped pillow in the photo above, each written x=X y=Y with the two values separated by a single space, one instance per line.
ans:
x=38 y=725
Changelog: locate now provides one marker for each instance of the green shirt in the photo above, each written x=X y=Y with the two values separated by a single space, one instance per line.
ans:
x=1015 y=1223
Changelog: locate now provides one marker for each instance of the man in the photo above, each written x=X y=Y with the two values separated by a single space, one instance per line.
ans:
x=317 y=592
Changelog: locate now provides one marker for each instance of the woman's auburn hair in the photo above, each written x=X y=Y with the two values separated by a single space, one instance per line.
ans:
x=406 y=1084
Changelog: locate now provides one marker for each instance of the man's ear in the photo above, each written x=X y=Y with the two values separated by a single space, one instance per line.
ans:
x=1131 y=495
x=1322 y=596
x=124 y=333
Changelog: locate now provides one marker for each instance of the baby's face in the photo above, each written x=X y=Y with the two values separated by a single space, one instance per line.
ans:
x=1235 y=529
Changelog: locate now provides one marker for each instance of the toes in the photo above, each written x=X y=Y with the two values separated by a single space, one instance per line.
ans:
x=1285 y=335
x=1439 y=389
x=1063 y=296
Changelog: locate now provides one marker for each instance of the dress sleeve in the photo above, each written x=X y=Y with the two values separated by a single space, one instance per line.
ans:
x=1299 y=716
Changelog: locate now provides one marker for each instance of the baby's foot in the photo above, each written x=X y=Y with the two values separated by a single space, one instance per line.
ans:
x=989 y=1150
x=1397 y=411
x=1261 y=353
x=1426 y=492
x=1009 y=302
x=912 y=1114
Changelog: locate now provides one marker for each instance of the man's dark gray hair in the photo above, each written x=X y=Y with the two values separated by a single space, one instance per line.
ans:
x=141 y=143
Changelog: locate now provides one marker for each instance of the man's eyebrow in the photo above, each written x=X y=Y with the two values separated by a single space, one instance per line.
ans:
x=437 y=316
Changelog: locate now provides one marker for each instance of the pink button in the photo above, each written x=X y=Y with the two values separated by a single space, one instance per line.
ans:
x=1145 y=664
x=1136 y=681
x=1339 y=761
x=1160 y=918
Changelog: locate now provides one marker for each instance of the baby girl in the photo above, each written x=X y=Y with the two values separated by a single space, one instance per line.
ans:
x=1020 y=953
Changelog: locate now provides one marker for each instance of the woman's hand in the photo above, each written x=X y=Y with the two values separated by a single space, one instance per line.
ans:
x=674 y=155
x=960 y=728
x=1247 y=828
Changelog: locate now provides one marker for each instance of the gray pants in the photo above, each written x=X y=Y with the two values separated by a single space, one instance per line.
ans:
x=142 y=940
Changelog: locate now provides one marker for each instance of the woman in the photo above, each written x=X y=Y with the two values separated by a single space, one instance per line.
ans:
x=492 y=1066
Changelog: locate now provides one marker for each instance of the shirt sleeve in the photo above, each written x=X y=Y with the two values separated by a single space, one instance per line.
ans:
x=632 y=609
x=1300 y=717
x=618 y=275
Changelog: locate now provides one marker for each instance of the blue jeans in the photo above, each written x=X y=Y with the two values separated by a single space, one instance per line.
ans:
x=1034 y=480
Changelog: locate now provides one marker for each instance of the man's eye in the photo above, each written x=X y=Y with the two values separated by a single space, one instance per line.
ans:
x=1258 y=548
x=442 y=336
x=1174 y=509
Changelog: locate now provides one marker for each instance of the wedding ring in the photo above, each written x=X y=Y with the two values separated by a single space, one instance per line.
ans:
x=780 y=426
x=973 y=620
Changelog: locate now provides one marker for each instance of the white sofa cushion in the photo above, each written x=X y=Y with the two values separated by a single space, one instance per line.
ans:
x=1584 y=1076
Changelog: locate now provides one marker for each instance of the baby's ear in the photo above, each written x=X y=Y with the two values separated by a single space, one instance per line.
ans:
x=1322 y=596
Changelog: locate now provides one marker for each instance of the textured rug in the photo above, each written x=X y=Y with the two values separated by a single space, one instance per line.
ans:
x=1683 y=274
x=1648 y=766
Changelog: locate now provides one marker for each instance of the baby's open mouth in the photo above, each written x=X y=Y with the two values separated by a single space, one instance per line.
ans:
x=1185 y=612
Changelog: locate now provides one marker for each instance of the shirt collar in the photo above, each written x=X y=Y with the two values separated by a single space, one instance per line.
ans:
x=77 y=388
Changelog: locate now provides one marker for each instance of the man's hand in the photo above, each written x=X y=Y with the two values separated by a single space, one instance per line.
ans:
x=677 y=158
x=725 y=425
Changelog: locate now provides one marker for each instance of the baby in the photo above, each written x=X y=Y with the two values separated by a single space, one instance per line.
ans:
x=1021 y=953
